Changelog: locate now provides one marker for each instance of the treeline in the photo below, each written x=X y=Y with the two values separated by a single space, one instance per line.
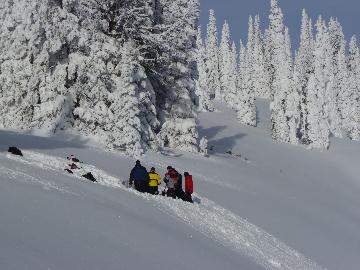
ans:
x=314 y=94
x=123 y=71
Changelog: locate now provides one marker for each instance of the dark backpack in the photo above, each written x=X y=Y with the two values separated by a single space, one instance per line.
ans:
x=90 y=177
x=15 y=151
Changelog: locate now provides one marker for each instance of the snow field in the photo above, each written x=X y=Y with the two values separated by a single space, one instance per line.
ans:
x=208 y=218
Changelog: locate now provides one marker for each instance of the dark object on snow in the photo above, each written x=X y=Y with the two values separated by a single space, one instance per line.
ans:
x=211 y=148
x=69 y=171
x=73 y=166
x=229 y=152
x=141 y=186
x=169 y=192
x=153 y=190
x=90 y=177
x=140 y=177
x=15 y=151
x=180 y=193
x=187 y=197
x=73 y=159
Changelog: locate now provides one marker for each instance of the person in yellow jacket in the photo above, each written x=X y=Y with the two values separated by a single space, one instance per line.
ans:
x=154 y=183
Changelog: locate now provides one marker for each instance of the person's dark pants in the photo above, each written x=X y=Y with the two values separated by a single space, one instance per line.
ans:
x=153 y=190
x=141 y=186
x=171 y=193
x=180 y=193
x=187 y=197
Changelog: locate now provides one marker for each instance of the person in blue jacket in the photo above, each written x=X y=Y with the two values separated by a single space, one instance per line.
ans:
x=140 y=177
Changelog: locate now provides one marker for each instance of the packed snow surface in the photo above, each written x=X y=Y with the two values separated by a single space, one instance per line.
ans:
x=261 y=205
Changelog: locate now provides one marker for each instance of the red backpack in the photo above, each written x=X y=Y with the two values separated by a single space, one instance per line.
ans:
x=189 y=184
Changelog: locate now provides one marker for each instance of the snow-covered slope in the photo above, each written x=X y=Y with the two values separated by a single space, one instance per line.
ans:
x=266 y=206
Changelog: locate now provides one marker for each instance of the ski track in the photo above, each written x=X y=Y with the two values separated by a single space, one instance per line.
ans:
x=208 y=218
x=46 y=185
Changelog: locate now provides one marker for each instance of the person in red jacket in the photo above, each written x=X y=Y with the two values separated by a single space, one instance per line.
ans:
x=189 y=187
x=171 y=179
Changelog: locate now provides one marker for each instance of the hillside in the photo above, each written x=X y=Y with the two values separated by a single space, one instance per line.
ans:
x=265 y=206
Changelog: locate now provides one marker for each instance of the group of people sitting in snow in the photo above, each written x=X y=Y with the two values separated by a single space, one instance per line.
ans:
x=144 y=181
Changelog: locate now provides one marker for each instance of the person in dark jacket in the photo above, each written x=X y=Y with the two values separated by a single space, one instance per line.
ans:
x=140 y=177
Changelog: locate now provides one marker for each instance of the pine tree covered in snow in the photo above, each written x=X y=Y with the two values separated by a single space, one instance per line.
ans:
x=202 y=90
x=225 y=61
x=318 y=130
x=27 y=53
x=179 y=112
x=233 y=87
x=260 y=77
x=61 y=66
x=127 y=129
x=333 y=106
x=245 y=104
x=318 y=123
x=292 y=98
x=204 y=146
x=212 y=57
x=352 y=112
x=303 y=68
x=267 y=57
x=343 y=97
x=280 y=81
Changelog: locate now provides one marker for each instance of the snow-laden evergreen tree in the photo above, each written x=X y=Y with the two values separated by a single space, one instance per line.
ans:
x=245 y=103
x=212 y=57
x=260 y=77
x=233 y=88
x=292 y=98
x=318 y=131
x=241 y=68
x=352 y=113
x=94 y=70
x=179 y=111
x=267 y=57
x=280 y=81
x=202 y=90
x=22 y=61
x=127 y=129
x=225 y=60
x=343 y=97
x=333 y=108
x=204 y=146
x=250 y=47
x=60 y=67
x=319 y=82
x=303 y=68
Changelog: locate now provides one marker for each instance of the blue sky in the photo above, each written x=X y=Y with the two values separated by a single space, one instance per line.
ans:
x=237 y=12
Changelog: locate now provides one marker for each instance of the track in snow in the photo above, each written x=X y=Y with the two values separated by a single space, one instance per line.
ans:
x=208 y=218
